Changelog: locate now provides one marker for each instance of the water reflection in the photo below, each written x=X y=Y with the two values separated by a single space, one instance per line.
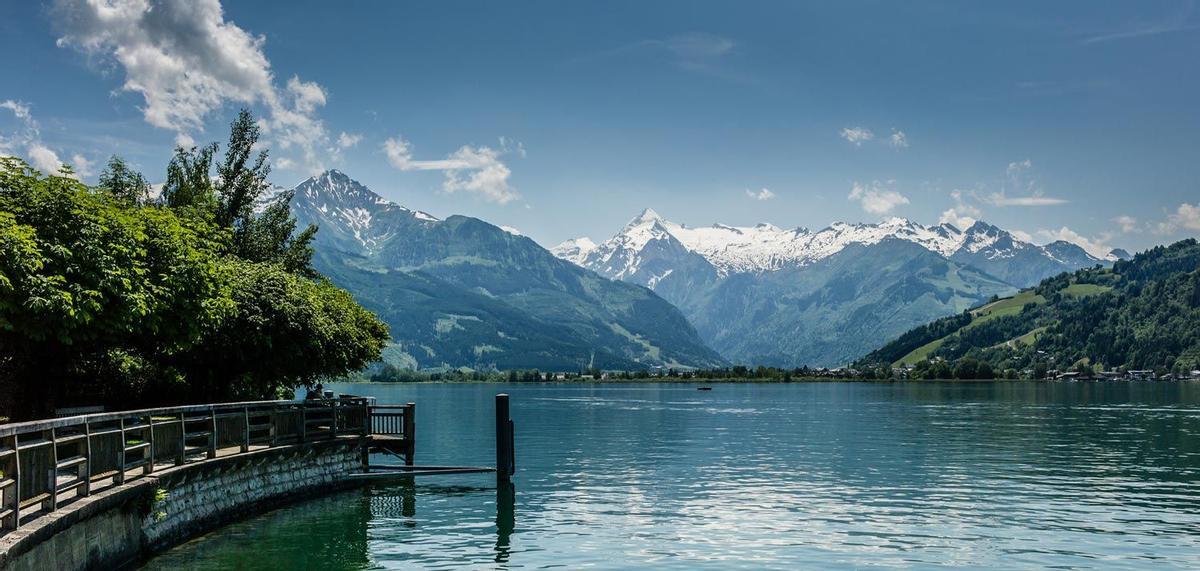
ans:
x=506 y=500
x=832 y=475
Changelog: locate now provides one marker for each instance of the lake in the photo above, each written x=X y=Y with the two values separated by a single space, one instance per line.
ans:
x=805 y=475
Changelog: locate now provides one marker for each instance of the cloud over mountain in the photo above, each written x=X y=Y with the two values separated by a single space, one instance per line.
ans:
x=186 y=61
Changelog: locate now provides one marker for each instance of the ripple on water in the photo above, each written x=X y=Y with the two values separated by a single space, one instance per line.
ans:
x=768 y=476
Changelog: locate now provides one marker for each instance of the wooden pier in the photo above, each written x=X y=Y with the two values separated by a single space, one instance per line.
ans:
x=47 y=465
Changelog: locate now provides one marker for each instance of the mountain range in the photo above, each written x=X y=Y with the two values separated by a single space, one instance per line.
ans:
x=462 y=292
x=767 y=295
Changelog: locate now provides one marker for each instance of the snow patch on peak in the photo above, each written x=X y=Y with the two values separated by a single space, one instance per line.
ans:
x=765 y=247
x=647 y=215
x=575 y=250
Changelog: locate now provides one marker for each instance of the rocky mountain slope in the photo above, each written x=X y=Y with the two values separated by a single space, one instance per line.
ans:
x=462 y=292
x=763 y=294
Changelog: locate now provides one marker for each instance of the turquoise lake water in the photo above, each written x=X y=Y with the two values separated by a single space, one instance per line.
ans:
x=787 y=476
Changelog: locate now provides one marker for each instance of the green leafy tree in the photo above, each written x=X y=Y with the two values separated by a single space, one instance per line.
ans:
x=88 y=280
x=288 y=331
x=123 y=182
x=189 y=184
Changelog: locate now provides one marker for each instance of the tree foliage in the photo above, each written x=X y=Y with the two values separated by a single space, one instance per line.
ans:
x=124 y=183
x=108 y=296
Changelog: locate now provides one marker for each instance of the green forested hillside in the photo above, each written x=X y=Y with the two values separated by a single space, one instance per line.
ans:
x=1142 y=313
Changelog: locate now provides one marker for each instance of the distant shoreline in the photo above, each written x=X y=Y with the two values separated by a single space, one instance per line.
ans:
x=731 y=381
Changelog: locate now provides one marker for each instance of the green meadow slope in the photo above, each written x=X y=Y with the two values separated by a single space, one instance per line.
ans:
x=1142 y=313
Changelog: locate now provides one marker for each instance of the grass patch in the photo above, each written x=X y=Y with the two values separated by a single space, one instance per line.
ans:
x=994 y=310
x=919 y=353
x=1085 y=290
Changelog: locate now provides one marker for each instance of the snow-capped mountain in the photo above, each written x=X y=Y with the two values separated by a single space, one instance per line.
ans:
x=765 y=248
x=574 y=250
x=349 y=214
x=764 y=294
x=462 y=292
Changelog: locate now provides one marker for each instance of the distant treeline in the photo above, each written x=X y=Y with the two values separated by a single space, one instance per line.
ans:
x=393 y=374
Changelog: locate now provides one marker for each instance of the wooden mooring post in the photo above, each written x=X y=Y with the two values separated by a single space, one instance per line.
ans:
x=506 y=464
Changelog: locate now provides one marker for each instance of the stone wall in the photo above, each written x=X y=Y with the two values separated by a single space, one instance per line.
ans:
x=123 y=524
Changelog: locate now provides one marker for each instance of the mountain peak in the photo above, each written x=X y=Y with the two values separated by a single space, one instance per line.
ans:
x=982 y=227
x=647 y=215
x=574 y=249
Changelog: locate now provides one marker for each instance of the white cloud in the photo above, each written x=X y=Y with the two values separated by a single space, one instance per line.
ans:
x=698 y=45
x=764 y=194
x=1021 y=235
x=857 y=135
x=187 y=61
x=876 y=198
x=307 y=95
x=347 y=140
x=1127 y=223
x=1002 y=199
x=27 y=139
x=962 y=215
x=1177 y=20
x=1186 y=217
x=898 y=139
x=21 y=110
x=43 y=158
x=1021 y=182
x=82 y=166
x=1097 y=247
x=476 y=170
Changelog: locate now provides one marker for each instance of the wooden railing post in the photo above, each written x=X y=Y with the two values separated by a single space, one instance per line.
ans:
x=149 y=469
x=212 y=437
x=120 y=477
x=245 y=429
x=16 y=481
x=303 y=421
x=87 y=463
x=367 y=424
x=52 y=485
x=410 y=432
x=273 y=426
x=179 y=460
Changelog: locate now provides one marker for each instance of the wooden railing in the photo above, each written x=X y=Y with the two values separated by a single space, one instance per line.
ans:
x=397 y=423
x=47 y=463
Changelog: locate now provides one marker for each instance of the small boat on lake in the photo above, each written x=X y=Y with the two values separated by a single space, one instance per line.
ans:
x=704 y=388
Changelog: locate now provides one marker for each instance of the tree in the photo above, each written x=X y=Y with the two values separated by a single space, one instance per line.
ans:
x=105 y=298
x=287 y=331
x=967 y=368
x=90 y=283
x=230 y=201
x=189 y=184
x=124 y=183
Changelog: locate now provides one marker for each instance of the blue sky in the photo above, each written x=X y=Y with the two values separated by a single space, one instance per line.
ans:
x=1070 y=120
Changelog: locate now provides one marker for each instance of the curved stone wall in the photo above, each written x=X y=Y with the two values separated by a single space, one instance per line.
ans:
x=125 y=524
